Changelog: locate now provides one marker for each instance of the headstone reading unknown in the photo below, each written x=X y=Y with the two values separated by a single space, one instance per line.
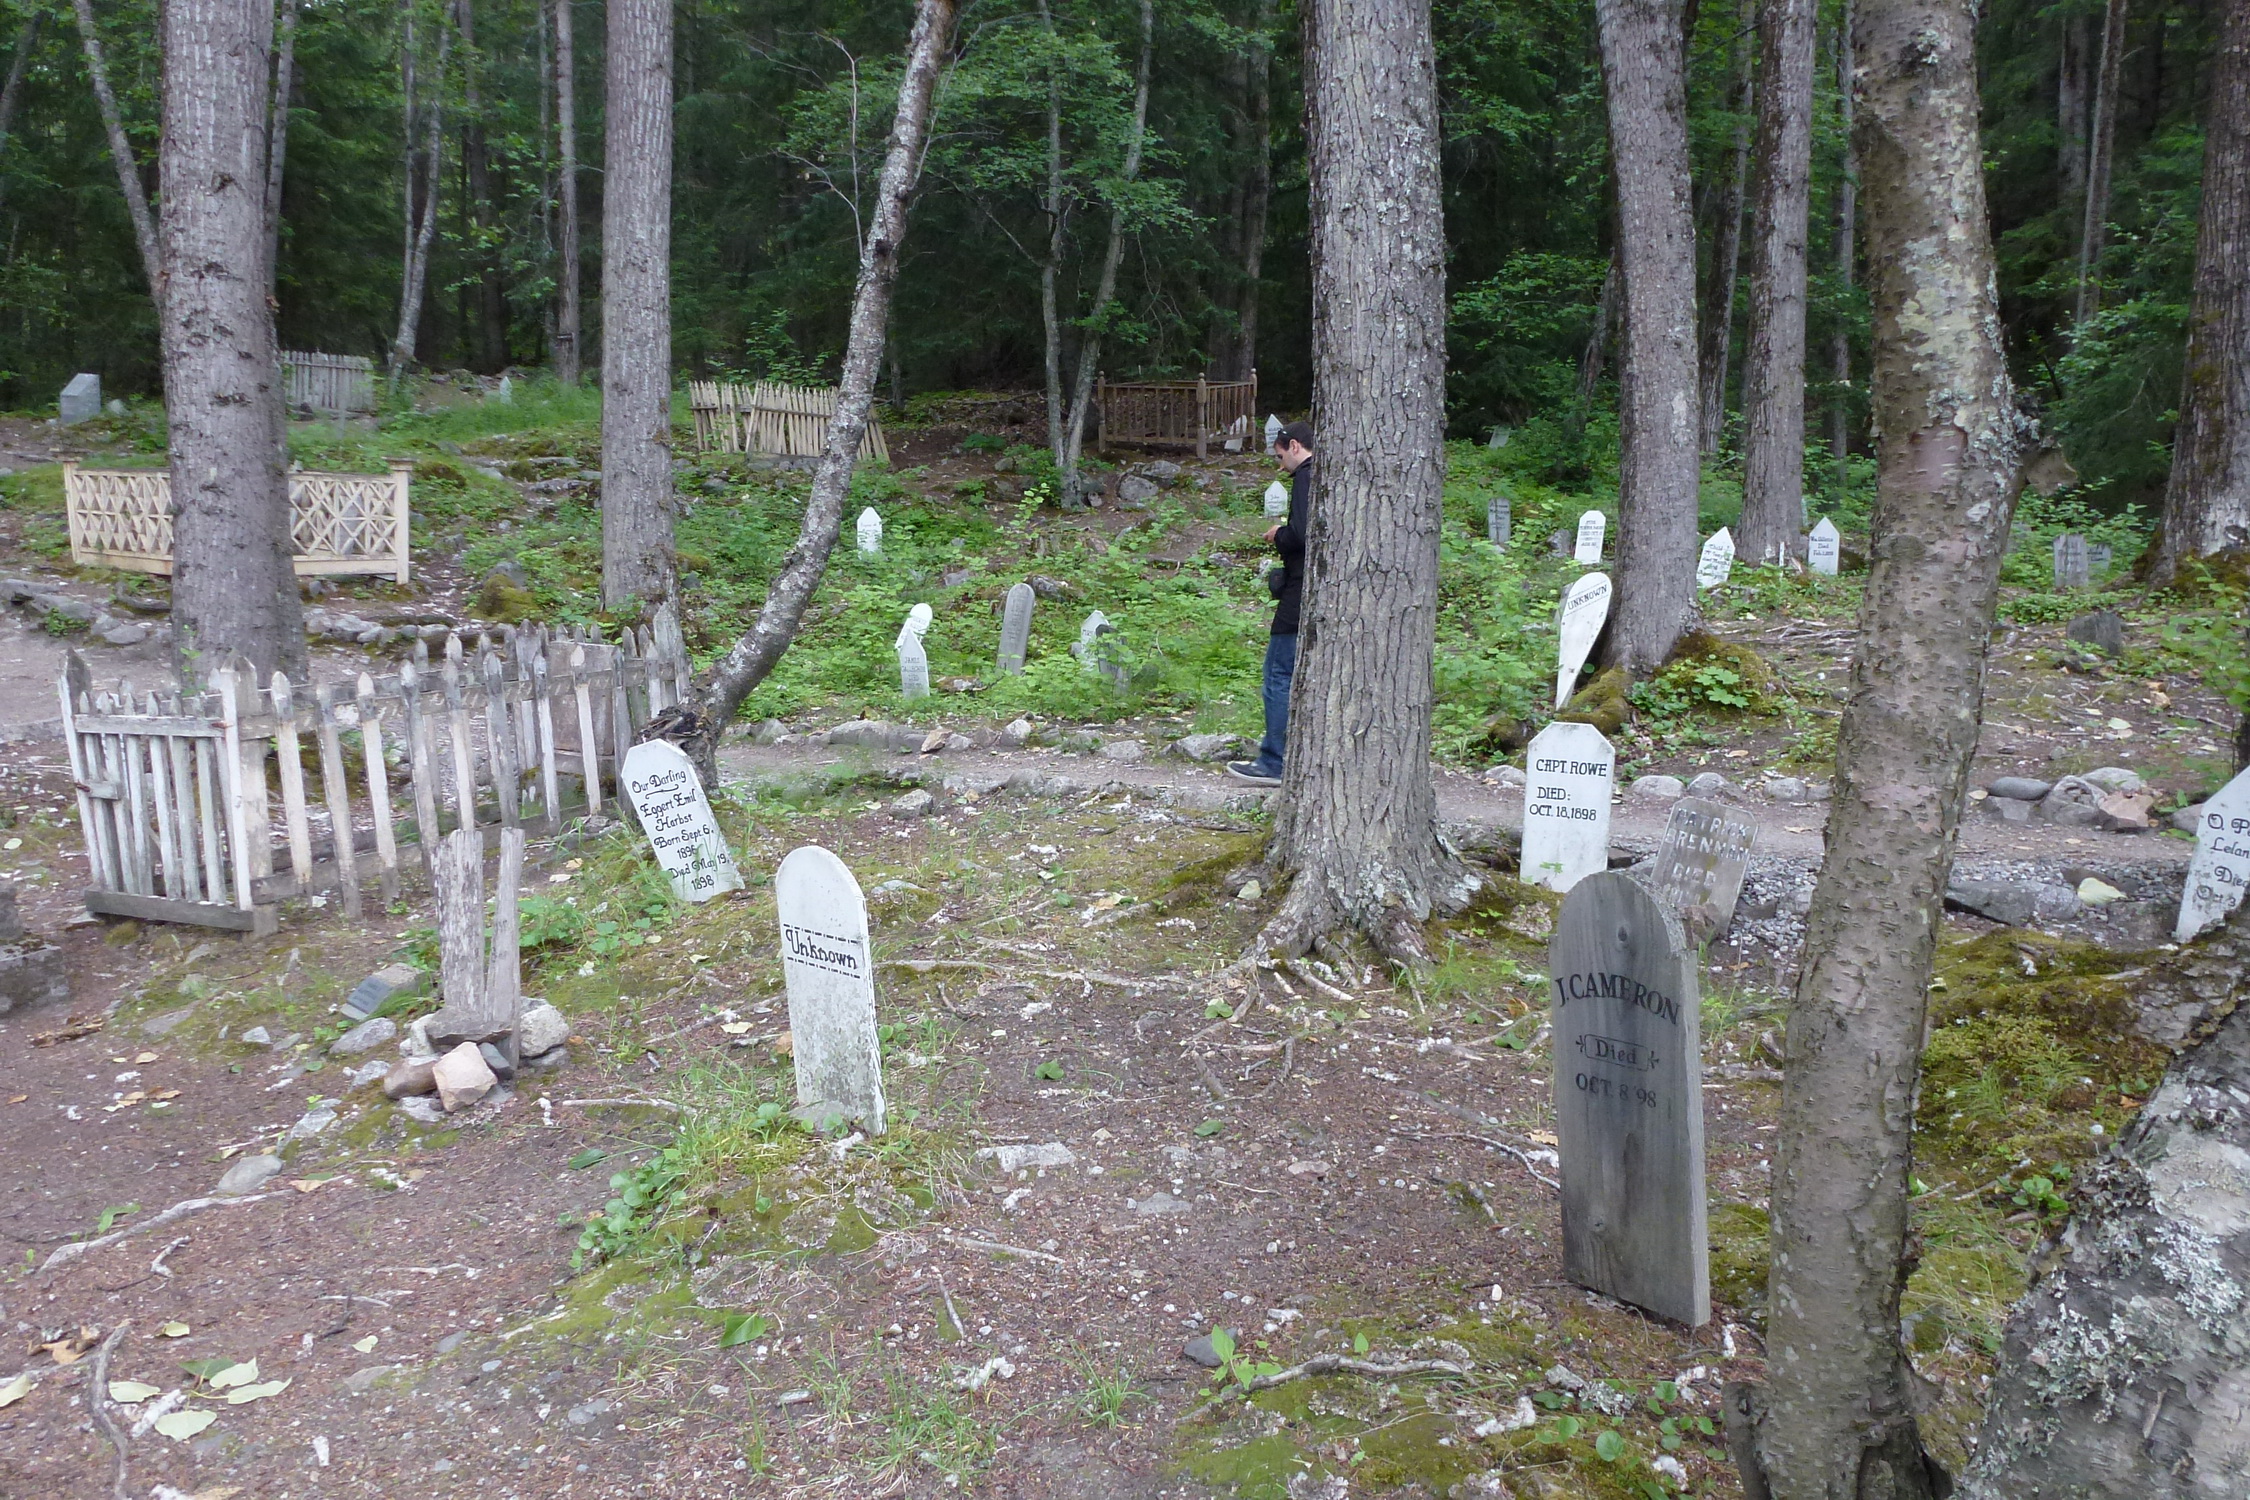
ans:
x=1015 y=628
x=2220 y=870
x=1700 y=864
x=870 y=531
x=2073 y=567
x=1277 y=499
x=1498 y=521
x=1592 y=526
x=1716 y=565
x=1569 y=777
x=668 y=799
x=1629 y=1100
x=81 y=400
x=1824 y=548
x=1585 y=607
x=829 y=967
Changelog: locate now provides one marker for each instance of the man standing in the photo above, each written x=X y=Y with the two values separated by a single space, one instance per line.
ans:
x=1293 y=449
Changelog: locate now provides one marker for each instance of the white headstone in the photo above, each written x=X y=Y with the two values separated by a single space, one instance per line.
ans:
x=668 y=799
x=1717 y=563
x=870 y=531
x=829 y=966
x=81 y=399
x=2220 y=871
x=1700 y=864
x=1499 y=521
x=2073 y=561
x=505 y=392
x=1277 y=499
x=1585 y=606
x=1570 y=770
x=1499 y=438
x=918 y=621
x=1096 y=623
x=1273 y=429
x=913 y=666
x=1823 y=548
x=1591 y=528
x=1015 y=628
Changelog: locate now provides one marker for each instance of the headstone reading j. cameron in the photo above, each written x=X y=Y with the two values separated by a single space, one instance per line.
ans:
x=668 y=799
x=1700 y=864
x=1566 y=794
x=1585 y=606
x=1823 y=548
x=81 y=399
x=1277 y=499
x=2073 y=567
x=1591 y=527
x=1499 y=520
x=1717 y=562
x=1629 y=1100
x=1015 y=628
x=2220 y=871
x=870 y=531
x=829 y=967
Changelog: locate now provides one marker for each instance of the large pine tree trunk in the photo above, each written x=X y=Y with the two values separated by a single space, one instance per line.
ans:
x=754 y=655
x=1058 y=230
x=2101 y=148
x=489 y=295
x=637 y=308
x=233 y=589
x=1847 y=260
x=1726 y=260
x=2073 y=81
x=1644 y=76
x=568 y=354
x=1257 y=192
x=2207 y=501
x=1773 y=367
x=1839 y=1421
x=121 y=149
x=1357 y=823
x=277 y=128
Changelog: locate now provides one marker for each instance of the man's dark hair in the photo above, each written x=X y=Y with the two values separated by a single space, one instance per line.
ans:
x=1299 y=433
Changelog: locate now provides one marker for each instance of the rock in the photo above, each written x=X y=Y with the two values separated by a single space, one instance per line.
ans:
x=1203 y=1351
x=1159 y=1203
x=360 y=1382
x=2115 y=779
x=2094 y=891
x=417 y=1041
x=1251 y=890
x=2188 y=819
x=2011 y=903
x=874 y=734
x=2019 y=788
x=256 y=1036
x=115 y=632
x=312 y=1122
x=421 y=1109
x=1017 y=733
x=541 y=1030
x=368 y=1072
x=1657 y=788
x=2008 y=809
x=1708 y=784
x=1204 y=748
x=496 y=1060
x=1122 y=750
x=1014 y=1159
x=915 y=804
x=1045 y=587
x=2127 y=812
x=365 y=1037
x=247 y=1176
x=379 y=988
x=1788 y=789
x=448 y=1029
x=2103 y=630
x=587 y=1415
x=462 y=1078
x=1506 y=775
x=1134 y=490
x=769 y=732
x=32 y=971
x=163 y=1025
x=1162 y=470
x=2073 y=802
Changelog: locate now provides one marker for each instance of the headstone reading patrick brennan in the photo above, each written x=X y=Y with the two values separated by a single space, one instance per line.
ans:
x=1699 y=866
x=1498 y=519
x=1629 y=1100
x=2073 y=565
x=668 y=799
x=1591 y=527
x=2220 y=870
x=1585 y=606
x=1824 y=548
x=829 y=968
x=1015 y=628
x=1570 y=772
x=1716 y=565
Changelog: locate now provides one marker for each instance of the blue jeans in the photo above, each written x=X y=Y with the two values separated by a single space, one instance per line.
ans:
x=1281 y=670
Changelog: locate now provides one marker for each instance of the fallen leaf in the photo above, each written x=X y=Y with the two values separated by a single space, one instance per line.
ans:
x=307 y=1184
x=174 y=1331
x=241 y=1374
x=179 y=1426
x=1796 y=830
x=70 y=1033
x=71 y=1347
x=161 y=1095
x=126 y=1392
x=785 y=1045
x=735 y=1028
x=1544 y=1137
x=257 y=1392
x=146 y=1057
x=19 y=1098
x=366 y=1345
x=15 y=1390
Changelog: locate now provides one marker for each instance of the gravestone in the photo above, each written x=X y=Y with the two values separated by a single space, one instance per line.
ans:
x=1277 y=499
x=870 y=531
x=1716 y=565
x=918 y=620
x=913 y=666
x=1499 y=519
x=1823 y=548
x=1499 y=438
x=829 y=967
x=1699 y=865
x=1629 y=1100
x=1273 y=429
x=1585 y=607
x=668 y=799
x=1570 y=771
x=81 y=399
x=1591 y=528
x=1097 y=624
x=2072 y=565
x=2220 y=870
x=1015 y=628
x=2099 y=555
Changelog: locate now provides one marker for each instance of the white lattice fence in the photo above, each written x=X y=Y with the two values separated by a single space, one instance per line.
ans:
x=355 y=524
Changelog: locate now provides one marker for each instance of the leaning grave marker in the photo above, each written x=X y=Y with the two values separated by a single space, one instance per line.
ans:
x=1699 y=866
x=1585 y=608
x=2220 y=870
x=1570 y=772
x=829 y=967
x=1629 y=1099
x=1015 y=628
x=913 y=659
x=668 y=799
x=1591 y=528
x=1716 y=564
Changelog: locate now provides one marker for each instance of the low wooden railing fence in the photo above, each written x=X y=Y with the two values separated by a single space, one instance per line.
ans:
x=1178 y=413
x=339 y=524
x=338 y=384
x=175 y=794
x=790 y=420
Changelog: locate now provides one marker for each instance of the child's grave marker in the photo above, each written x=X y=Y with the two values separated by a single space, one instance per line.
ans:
x=1716 y=565
x=1585 y=608
x=667 y=797
x=1700 y=864
x=2220 y=870
x=1592 y=526
x=1015 y=628
x=1824 y=548
x=829 y=967
x=1570 y=774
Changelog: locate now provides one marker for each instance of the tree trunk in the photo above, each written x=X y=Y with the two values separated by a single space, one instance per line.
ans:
x=2124 y=1366
x=277 y=129
x=414 y=275
x=1839 y=1422
x=1058 y=218
x=1726 y=262
x=491 y=296
x=1643 y=71
x=1847 y=269
x=233 y=589
x=1257 y=193
x=754 y=656
x=1773 y=367
x=568 y=355
x=637 y=309
x=1590 y=358
x=2207 y=501
x=11 y=93
x=2072 y=84
x=2093 y=227
x=121 y=151
x=1356 y=828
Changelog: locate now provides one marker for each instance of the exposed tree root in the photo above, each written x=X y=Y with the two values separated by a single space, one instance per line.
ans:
x=1345 y=1364
x=105 y=1410
x=65 y=1254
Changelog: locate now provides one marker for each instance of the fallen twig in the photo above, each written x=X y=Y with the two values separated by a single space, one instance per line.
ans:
x=1304 y=971
x=960 y=1330
x=996 y=1248
x=1518 y=1153
x=104 y=1410
x=1288 y=1061
x=1211 y=1081
x=68 y=1253
x=1345 y=1364
x=157 y=1265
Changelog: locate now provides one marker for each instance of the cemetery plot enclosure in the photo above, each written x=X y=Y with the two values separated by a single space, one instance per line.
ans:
x=789 y=420
x=1177 y=413
x=175 y=795
x=339 y=524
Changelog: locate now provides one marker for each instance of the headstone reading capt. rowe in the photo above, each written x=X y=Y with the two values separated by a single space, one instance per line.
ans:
x=1499 y=520
x=1277 y=499
x=668 y=799
x=81 y=400
x=2073 y=567
x=1716 y=565
x=829 y=967
x=2220 y=870
x=1824 y=548
x=1629 y=1100
x=1700 y=864
x=1591 y=528
x=1585 y=606
x=1570 y=774
x=870 y=531
x=1015 y=628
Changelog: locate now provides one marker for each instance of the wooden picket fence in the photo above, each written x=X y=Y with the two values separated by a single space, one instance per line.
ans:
x=791 y=420
x=1178 y=413
x=338 y=384
x=175 y=794
x=339 y=524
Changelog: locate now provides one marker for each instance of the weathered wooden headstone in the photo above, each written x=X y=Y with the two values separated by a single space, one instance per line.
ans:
x=1585 y=607
x=1700 y=864
x=1499 y=521
x=1592 y=526
x=829 y=967
x=2099 y=555
x=1716 y=565
x=1629 y=1100
x=2220 y=870
x=1277 y=500
x=870 y=531
x=1570 y=772
x=1824 y=548
x=1015 y=628
x=2073 y=568
x=81 y=400
x=668 y=799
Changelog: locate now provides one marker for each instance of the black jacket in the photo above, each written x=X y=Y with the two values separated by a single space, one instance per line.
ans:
x=1289 y=541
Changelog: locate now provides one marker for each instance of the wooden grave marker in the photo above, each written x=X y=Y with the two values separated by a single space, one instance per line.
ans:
x=1700 y=864
x=2220 y=870
x=829 y=966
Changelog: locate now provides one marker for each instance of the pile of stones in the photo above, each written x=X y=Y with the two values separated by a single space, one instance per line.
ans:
x=2112 y=799
x=445 y=1065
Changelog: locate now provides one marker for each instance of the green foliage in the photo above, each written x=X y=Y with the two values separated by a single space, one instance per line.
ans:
x=547 y=922
x=640 y=1197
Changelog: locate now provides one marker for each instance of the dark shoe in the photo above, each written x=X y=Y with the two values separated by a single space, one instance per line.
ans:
x=1250 y=770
